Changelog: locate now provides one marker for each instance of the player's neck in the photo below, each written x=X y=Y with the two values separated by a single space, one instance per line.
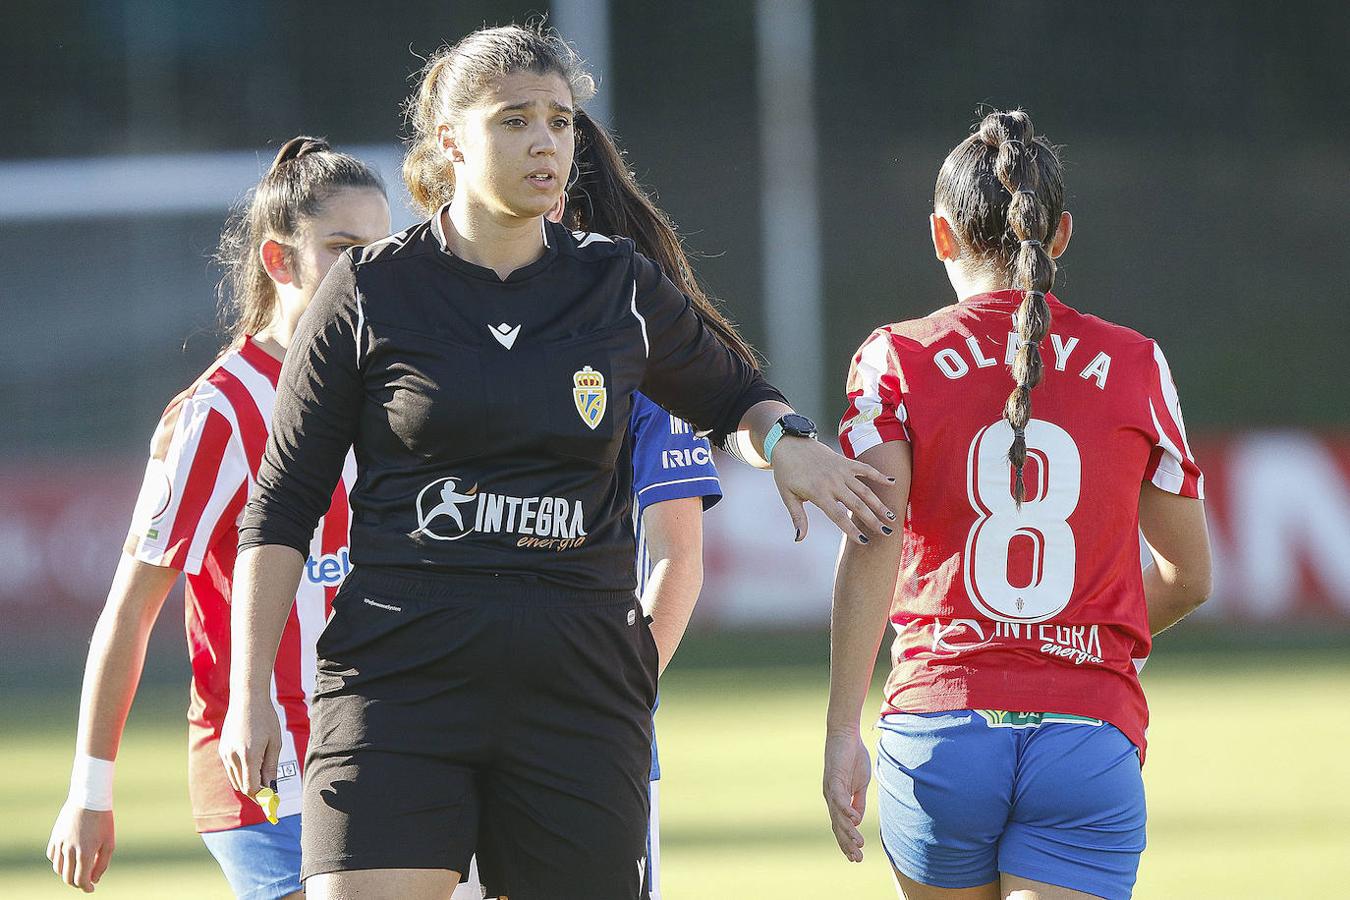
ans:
x=477 y=236
x=969 y=284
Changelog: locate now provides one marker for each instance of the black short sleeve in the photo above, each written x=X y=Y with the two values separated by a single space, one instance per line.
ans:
x=689 y=370
x=314 y=421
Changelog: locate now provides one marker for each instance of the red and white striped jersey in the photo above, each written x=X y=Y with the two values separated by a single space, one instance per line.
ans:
x=1039 y=609
x=194 y=490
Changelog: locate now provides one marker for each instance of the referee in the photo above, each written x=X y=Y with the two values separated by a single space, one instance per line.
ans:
x=487 y=652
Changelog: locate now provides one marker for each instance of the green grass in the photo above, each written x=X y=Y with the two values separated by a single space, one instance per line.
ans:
x=1246 y=778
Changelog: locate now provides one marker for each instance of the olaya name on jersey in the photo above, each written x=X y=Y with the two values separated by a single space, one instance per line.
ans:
x=544 y=523
x=954 y=365
x=1077 y=643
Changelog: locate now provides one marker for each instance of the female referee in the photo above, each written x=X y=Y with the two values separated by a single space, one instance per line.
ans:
x=312 y=204
x=487 y=651
x=1013 y=729
x=674 y=478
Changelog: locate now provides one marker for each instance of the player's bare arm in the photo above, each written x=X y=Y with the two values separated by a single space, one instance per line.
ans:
x=863 y=588
x=1178 y=538
x=806 y=471
x=82 y=840
x=266 y=578
x=673 y=531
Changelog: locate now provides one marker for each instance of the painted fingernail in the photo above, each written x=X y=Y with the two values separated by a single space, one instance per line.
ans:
x=798 y=538
x=890 y=515
x=891 y=480
x=272 y=784
x=862 y=539
x=886 y=529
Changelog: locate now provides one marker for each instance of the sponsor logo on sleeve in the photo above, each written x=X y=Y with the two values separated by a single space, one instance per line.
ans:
x=681 y=457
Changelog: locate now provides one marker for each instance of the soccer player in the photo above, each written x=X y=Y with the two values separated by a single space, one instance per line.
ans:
x=488 y=686
x=1013 y=729
x=311 y=205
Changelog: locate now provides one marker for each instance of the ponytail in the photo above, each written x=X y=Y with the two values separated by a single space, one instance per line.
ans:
x=1002 y=189
x=304 y=174
x=605 y=198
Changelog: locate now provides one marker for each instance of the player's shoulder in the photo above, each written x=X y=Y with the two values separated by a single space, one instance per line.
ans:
x=588 y=246
x=202 y=397
x=410 y=243
x=1107 y=336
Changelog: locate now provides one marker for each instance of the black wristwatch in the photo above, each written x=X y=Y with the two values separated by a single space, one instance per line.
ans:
x=791 y=425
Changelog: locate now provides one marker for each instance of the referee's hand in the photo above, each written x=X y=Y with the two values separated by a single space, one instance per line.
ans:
x=807 y=471
x=250 y=744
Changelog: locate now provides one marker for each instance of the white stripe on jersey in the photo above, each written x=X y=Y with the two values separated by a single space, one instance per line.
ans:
x=676 y=481
x=645 y=343
x=259 y=386
x=589 y=237
x=873 y=363
x=360 y=326
x=1169 y=476
x=1169 y=392
x=233 y=472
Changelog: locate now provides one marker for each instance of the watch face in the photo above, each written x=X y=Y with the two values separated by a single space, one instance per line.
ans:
x=797 y=425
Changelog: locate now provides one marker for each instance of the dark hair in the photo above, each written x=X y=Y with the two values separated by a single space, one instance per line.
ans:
x=302 y=178
x=455 y=77
x=604 y=198
x=1002 y=190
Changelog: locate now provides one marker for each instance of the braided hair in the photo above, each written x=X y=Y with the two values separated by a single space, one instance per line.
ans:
x=1003 y=190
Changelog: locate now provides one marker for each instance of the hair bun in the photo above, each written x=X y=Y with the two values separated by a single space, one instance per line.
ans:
x=296 y=147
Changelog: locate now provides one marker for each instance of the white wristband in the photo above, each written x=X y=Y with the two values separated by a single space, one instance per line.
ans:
x=91 y=783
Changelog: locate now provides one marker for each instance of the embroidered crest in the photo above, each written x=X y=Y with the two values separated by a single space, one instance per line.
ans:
x=589 y=393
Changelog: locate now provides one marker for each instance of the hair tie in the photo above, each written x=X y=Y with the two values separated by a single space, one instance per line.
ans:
x=1029 y=243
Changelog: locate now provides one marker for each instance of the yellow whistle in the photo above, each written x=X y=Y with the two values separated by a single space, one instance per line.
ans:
x=269 y=801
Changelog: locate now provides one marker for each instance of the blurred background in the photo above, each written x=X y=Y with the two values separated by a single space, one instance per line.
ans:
x=796 y=144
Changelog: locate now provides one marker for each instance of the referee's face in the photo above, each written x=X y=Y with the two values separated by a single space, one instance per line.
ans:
x=513 y=151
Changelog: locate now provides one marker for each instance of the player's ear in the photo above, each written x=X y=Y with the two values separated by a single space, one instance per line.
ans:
x=448 y=143
x=556 y=213
x=1063 y=232
x=945 y=245
x=273 y=256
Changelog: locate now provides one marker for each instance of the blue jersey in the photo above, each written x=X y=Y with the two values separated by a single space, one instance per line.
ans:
x=670 y=462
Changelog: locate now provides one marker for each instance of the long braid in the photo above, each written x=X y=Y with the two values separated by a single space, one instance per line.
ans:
x=1031 y=267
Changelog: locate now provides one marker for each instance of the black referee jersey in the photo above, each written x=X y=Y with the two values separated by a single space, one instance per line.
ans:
x=489 y=418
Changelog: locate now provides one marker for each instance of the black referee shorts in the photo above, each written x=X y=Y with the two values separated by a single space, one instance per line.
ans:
x=501 y=716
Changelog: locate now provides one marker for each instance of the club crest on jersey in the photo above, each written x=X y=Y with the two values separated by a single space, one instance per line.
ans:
x=589 y=393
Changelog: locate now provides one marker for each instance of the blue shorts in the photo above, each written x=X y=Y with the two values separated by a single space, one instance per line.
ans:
x=261 y=862
x=965 y=796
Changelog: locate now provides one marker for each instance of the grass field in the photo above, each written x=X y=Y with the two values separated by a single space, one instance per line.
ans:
x=1247 y=780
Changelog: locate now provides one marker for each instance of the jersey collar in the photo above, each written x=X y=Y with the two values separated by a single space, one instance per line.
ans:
x=550 y=235
x=260 y=359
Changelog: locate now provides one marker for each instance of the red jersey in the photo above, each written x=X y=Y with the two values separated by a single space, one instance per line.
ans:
x=1042 y=609
x=195 y=487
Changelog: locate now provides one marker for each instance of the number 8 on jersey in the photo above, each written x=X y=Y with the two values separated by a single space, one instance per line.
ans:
x=998 y=586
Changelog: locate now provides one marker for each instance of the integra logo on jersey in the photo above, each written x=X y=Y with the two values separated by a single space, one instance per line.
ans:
x=679 y=458
x=447 y=512
x=328 y=569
